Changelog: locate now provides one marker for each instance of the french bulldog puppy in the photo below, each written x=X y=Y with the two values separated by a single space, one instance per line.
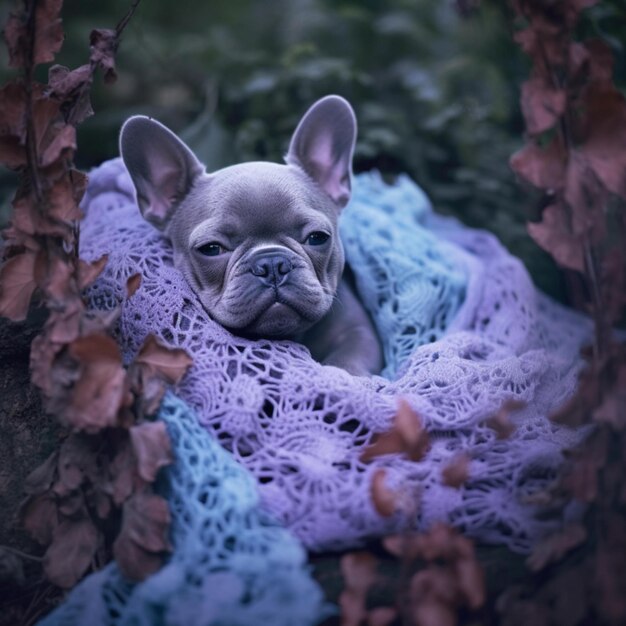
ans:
x=258 y=242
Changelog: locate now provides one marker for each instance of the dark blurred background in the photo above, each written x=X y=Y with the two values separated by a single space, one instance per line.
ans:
x=435 y=85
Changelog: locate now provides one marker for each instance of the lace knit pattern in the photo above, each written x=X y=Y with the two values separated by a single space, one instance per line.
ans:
x=231 y=563
x=464 y=331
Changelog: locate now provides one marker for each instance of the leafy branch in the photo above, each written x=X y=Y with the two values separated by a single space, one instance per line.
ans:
x=94 y=493
x=576 y=125
x=576 y=156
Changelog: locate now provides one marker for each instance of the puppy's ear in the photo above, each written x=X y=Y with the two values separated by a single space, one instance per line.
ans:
x=161 y=166
x=323 y=145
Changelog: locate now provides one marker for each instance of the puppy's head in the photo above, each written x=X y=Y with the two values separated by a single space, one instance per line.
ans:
x=258 y=242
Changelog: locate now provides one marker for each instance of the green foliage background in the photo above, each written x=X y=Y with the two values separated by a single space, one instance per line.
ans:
x=436 y=92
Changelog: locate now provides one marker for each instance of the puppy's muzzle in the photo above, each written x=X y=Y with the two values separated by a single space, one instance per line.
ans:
x=271 y=267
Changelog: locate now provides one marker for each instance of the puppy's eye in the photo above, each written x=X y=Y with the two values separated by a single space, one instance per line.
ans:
x=210 y=249
x=317 y=238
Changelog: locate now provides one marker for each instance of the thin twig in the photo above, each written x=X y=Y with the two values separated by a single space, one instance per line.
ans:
x=591 y=272
x=597 y=304
x=31 y=137
x=121 y=25
x=21 y=554
x=37 y=610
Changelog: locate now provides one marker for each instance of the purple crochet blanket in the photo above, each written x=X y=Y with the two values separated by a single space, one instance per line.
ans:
x=300 y=427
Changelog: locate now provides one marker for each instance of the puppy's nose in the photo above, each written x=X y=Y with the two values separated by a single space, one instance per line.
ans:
x=271 y=267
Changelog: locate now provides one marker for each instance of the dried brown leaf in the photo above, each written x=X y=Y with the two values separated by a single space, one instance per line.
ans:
x=605 y=135
x=601 y=60
x=434 y=613
x=586 y=198
x=613 y=283
x=63 y=83
x=151 y=445
x=527 y=40
x=64 y=327
x=554 y=547
x=78 y=185
x=64 y=197
x=53 y=274
x=554 y=234
x=543 y=167
x=452 y=578
x=42 y=354
x=404 y=546
x=352 y=608
x=581 y=476
x=385 y=501
x=155 y=366
x=409 y=426
x=12 y=126
x=77 y=462
x=27 y=218
x=612 y=411
x=501 y=422
x=16 y=243
x=582 y=480
x=359 y=574
x=96 y=320
x=103 y=43
x=132 y=284
x=470 y=578
x=122 y=471
x=101 y=502
x=159 y=359
x=150 y=391
x=72 y=87
x=577 y=410
x=89 y=272
x=406 y=436
x=142 y=541
x=381 y=616
x=42 y=477
x=436 y=583
x=99 y=393
x=439 y=542
x=48 y=29
x=74 y=544
x=17 y=285
x=389 y=442
x=136 y=563
x=359 y=571
x=55 y=143
x=146 y=521
x=578 y=62
x=456 y=473
x=48 y=34
x=72 y=504
x=53 y=136
x=40 y=517
x=542 y=105
x=61 y=208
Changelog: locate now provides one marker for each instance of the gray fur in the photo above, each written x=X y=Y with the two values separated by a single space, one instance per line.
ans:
x=268 y=280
